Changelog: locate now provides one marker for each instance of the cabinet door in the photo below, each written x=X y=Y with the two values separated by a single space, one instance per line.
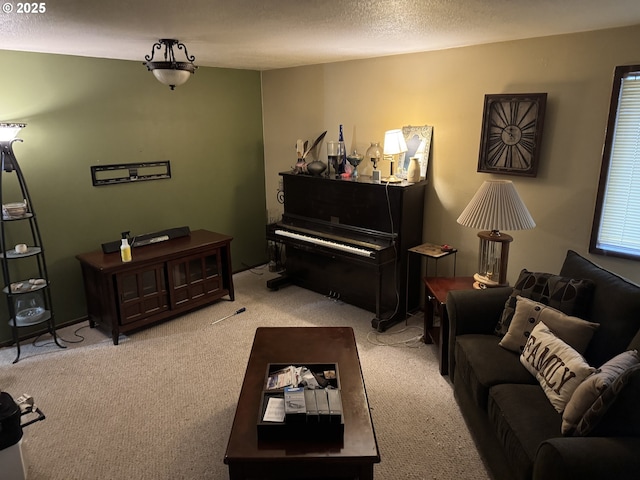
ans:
x=195 y=278
x=142 y=293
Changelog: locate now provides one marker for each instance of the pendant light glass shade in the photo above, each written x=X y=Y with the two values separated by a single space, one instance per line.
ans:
x=171 y=77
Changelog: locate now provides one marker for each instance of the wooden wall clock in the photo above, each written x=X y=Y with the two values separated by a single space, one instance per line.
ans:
x=512 y=133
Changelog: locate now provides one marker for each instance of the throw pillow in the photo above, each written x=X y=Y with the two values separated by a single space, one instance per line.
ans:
x=582 y=408
x=570 y=296
x=558 y=368
x=572 y=330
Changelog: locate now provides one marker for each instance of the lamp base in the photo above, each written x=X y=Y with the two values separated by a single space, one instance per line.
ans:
x=492 y=259
x=392 y=179
x=482 y=282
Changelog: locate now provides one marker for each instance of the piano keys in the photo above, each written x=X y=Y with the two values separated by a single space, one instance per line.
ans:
x=348 y=239
x=323 y=242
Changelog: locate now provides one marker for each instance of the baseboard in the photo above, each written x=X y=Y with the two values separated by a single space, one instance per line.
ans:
x=37 y=333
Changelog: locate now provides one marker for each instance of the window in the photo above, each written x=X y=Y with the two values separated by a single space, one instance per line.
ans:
x=616 y=222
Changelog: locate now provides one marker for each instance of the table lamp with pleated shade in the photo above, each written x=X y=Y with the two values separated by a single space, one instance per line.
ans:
x=496 y=206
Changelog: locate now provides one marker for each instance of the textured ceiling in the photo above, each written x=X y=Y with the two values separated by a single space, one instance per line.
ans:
x=268 y=34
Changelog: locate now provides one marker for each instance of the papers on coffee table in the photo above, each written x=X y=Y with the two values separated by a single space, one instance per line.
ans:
x=274 y=411
x=286 y=377
x=292 y=376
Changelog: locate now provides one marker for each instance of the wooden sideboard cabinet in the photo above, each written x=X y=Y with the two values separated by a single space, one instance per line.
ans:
x=163 y=280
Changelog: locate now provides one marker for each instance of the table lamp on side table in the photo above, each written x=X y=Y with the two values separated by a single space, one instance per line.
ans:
x=495 y=206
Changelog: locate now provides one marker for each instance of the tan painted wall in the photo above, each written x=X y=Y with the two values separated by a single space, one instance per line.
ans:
x=446 y=89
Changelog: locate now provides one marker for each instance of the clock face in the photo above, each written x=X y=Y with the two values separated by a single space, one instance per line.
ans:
x=511 y=134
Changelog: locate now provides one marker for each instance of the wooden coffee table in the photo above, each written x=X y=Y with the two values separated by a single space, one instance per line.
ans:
x=352 y=456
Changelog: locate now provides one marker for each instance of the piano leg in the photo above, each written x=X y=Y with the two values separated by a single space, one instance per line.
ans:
x=379 y=323
x=280 y=281
x=382 y=324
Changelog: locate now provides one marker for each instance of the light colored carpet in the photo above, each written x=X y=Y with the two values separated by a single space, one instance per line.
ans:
x=160 y=405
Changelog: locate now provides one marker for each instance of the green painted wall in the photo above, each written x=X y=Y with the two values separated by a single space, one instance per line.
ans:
x=82 y=112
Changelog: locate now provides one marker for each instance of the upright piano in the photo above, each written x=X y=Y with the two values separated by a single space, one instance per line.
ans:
x=349 y=239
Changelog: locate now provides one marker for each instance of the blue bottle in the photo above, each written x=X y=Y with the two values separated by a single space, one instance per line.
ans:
x=342 y=154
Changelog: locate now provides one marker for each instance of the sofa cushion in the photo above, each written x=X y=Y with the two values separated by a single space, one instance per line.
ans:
x=557 y=366
x=569 y=295
x=523 y=418
x=615 y=306
x=592 y=388
x=481 y=363
x=572 y=330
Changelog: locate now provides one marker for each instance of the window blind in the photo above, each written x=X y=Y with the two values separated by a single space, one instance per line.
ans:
x=620 y=222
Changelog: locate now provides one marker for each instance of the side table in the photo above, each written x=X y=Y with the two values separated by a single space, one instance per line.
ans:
x=433 y=251
x=435 y=297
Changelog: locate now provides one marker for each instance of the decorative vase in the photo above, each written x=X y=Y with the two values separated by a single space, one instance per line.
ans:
x=413 y=173
x=316 y=167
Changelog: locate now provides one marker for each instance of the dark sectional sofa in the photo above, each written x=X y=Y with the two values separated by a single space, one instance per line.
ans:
x=516 y=428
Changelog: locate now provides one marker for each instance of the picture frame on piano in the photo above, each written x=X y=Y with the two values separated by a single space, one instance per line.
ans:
x=418 y=141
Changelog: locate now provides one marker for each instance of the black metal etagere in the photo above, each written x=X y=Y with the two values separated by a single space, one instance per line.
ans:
x=26 y=283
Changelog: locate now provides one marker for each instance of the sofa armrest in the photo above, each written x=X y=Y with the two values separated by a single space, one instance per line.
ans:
x=476 y=311
x=588 y=458
x=473 y=311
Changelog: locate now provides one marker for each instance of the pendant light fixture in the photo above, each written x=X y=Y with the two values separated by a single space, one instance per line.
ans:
x=170 y=72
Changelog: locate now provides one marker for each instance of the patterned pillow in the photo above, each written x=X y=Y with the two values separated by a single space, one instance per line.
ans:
x=569 y=295
x=572 y=330
x=596 y=394
x=558 y=368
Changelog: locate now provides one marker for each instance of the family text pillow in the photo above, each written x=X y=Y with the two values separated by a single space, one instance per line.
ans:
x=572 y=330
x=558 y=368
x=570 y=296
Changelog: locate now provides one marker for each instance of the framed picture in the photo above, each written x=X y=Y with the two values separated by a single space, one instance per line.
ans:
x=512 y=133
x=418 y=141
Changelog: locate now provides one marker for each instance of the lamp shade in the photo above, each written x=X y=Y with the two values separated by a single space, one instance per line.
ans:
x=171 y=76
x=496 y=206
x=9 y=131
x=394 y=142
